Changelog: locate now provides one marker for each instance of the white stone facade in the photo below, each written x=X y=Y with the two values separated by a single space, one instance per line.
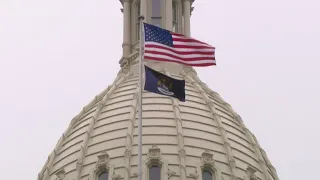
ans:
x=183 y=138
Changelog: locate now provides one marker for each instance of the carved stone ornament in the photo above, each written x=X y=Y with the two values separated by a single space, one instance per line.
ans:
x=60 y=174
x=251 y=173
x=115 y=176
x=123 y=62
x=232 y=163
x=134 y=175
x=127 y=153
x=182 y=153
x=79 y=164
x=194 y=175
x=154 y=153
x=207 y=157
x=103 y=159
x=170 y=173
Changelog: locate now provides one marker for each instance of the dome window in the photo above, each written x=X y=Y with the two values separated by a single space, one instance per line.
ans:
x=174 y=17
x=207 y=175
x=208 y=167
x=156 y=13
x=154 y=165
x=154 y=172
x=103 y=176
x=103 y=168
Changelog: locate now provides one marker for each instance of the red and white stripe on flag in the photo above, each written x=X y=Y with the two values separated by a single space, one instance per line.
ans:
x=185 y=50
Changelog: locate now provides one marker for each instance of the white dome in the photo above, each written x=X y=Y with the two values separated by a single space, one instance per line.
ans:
x=184 y=137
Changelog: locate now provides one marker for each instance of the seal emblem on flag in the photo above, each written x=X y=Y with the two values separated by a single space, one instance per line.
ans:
x=159 y=83
x=165 y=86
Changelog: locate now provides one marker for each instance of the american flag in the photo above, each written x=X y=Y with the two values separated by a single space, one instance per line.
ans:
x=164 y=45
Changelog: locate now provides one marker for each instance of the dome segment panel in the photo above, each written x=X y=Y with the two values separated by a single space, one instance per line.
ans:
x=183 y=131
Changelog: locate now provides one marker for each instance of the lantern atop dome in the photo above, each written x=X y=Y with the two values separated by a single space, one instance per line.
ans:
x=173 y=15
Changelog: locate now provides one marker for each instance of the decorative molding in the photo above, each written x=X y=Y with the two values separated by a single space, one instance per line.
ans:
x=102 y=165
x=154 y=158
x=191 y=1
x=115 y=176
x=127 y=153
x=182 y=153
x=232 y=163
x=188 y=70
x=60 y=174
x=207 y=158
x=123 y=1
x=79 y=164
x=250 y=175
x=191 y=10
x=123 y=61
x=194 y=175
x=134 y=175
x=154 y=154
x=103 y=160
x=208 y=163
x=170 y=173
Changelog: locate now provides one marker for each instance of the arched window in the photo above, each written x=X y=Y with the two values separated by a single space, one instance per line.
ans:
x=207 y=175
x=156 y=12
x=137 y=20
x=154 y=172
x=174 y=17
x=103 y=176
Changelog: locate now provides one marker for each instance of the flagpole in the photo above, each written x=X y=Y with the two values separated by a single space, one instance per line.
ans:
x=141 y=18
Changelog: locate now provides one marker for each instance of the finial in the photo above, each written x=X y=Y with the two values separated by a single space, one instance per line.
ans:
x=141 y=18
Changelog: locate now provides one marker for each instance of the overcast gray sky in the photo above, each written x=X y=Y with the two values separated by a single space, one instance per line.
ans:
x=55 y=56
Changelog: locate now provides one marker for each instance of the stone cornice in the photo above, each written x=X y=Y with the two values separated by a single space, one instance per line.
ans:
x=123 y=1
x=191 y=1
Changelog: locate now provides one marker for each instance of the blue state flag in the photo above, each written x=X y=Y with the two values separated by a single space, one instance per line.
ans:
x=164 y=85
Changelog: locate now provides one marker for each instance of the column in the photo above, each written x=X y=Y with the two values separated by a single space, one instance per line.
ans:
x=186 y=14
x=144 y=10
x=126 y=28
x=168 y=16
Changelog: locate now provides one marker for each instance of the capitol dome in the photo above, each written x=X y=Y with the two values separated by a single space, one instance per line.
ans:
x=199 y=139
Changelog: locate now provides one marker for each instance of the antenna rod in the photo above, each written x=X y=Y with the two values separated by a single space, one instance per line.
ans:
x=141 y=18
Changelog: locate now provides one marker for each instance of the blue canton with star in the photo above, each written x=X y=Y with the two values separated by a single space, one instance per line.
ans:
x=156 y=34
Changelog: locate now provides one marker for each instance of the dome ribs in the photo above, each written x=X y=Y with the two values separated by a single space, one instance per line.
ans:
x=101 y=105
x=255 y=147
x=227 y=146
x=270 y=166
x=40 y=175
x=129 y=139
x=262 y=158
x=252 y=140
x=45 y=172
x=182 y=151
